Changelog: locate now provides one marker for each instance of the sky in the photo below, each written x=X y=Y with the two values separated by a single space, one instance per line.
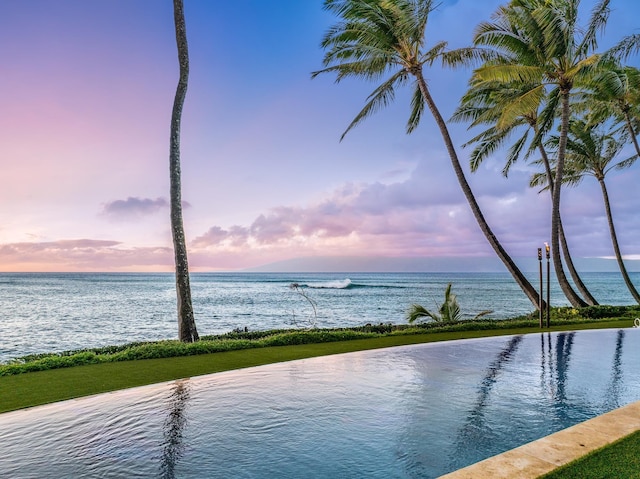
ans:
x=86 y=93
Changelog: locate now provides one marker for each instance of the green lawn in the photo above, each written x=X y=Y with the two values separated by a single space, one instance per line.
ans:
x=621 y=460
x=41 y=387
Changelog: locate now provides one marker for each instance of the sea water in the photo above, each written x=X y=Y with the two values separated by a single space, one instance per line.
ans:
x=44 y=312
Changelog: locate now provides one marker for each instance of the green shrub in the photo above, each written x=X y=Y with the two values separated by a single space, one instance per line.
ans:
x=315 y=336
x=605 y=311
x=258 y=339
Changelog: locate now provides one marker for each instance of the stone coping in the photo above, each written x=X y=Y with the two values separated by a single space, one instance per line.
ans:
x=539 y=457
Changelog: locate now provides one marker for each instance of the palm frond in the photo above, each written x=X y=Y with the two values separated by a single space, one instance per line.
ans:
x=629 y=45
x=429 y=57
x=379 y=98
x=599 y=16
x=381 y=41
x=539 y=180
x=489 y=142
x=514 y=153
x=509 y=73
x=417 y=108
x=525 y=104
x=621 y=165
x=547 y=116
x=468 y=56
x=417 y=311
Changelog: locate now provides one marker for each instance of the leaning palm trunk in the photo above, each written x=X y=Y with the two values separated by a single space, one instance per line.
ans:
x=186 y=324
x=614 y=240
x=522 y=281
x=539 y=43
x=589 y=299
x=568 y=291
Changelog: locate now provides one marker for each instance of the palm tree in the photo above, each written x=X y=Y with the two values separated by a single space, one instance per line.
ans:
x=449 y=311
x=376 y=38
x=186 y=323
x=591 y=152
x=540 y=43
x=500 y=106
x=615 y=93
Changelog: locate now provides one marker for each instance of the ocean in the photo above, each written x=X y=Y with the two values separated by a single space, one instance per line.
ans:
x=52 y=312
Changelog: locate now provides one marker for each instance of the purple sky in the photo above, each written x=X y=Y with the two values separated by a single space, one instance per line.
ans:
x=85 y=98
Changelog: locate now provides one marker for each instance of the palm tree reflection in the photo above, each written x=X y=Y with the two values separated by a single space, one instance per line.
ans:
x=174 y=426
x=554 y=381
x=615 y=389
x=475 y=435
x=479 y=435
x=563 y=408
x=554 y=370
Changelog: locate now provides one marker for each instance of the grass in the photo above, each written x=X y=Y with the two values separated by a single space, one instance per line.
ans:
x=40 y=379
x=263 y=339
x=619 y=460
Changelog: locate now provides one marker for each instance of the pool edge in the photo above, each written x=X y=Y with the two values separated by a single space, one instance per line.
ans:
x=548 y=453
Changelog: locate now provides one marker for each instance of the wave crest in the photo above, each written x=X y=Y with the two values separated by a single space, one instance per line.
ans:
x=334 y=284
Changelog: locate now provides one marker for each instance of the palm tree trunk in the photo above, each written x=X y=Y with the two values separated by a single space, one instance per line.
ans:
x=589 y=299
x=186 y=324
x=568 y=291
x=614 y=240
x=520 y=279
x=586 y=294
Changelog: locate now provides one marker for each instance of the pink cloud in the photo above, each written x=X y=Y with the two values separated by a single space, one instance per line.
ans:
x=425 y=215
x=83 y=255
x=398 y=219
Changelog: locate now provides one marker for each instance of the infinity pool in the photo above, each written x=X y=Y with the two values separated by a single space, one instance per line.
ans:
x=407 y=412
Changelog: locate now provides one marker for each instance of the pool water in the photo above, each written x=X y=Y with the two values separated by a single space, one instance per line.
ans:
x=406 y=412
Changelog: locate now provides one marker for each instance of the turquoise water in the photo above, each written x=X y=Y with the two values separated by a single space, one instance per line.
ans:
x=407 y=412
x=58 y=312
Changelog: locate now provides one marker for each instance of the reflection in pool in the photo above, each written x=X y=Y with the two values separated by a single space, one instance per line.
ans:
x=407 y=412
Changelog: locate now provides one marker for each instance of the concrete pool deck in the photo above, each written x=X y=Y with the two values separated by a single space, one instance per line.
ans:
x=539 y=457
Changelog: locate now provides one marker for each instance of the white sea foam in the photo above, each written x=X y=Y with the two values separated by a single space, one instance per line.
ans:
x=334 y=284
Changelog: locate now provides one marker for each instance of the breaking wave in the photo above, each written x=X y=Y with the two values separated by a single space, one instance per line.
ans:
x=333 y=284
x=343 y=284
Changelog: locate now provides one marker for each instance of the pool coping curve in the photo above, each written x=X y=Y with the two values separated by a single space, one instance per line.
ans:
x=541 y=456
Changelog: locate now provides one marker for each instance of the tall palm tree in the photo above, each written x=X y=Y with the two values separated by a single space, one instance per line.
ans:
x=539 y=42
x=500 y=106
x=614 y=93
x=375 y=38
x=592 y=152
x=186 y=323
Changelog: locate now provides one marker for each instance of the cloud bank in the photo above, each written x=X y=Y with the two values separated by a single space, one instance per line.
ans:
x=83 y=255
x=134 y=207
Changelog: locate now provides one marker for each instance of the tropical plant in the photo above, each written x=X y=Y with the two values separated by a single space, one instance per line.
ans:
x=539 y=43
x=485 y=104
x=187 y=331
x=378 y=38
x=614 y=93
x=449 y=311
x=593 y=152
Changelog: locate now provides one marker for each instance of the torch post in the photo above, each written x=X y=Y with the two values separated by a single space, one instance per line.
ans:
x=541 y=314
x=547 y=249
